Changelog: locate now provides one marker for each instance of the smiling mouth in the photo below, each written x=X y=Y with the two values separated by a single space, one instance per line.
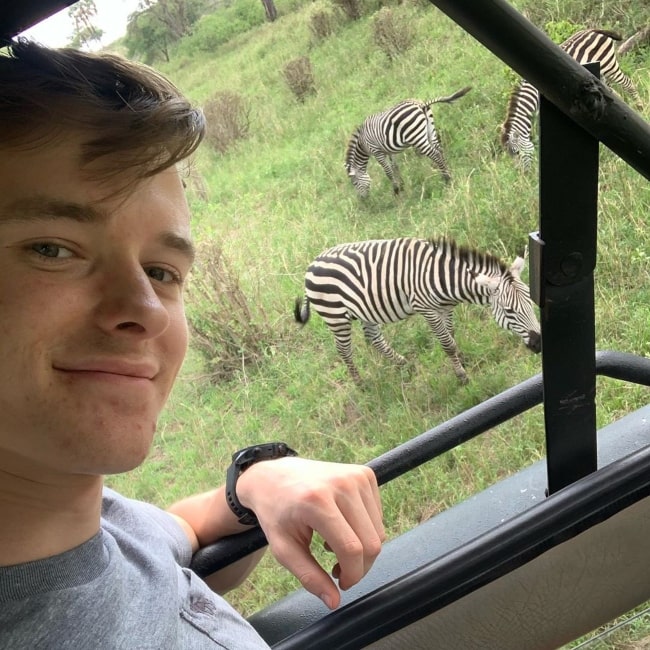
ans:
x=107 y=375
x=107 y=371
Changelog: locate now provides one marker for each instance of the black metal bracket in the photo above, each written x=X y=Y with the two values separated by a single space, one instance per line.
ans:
x=563 y=262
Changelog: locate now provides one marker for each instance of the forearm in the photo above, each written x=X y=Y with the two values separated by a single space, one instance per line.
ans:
x=209 y=516
x=206 y=518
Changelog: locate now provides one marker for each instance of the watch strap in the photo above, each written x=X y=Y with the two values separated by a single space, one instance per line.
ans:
x=241 y=461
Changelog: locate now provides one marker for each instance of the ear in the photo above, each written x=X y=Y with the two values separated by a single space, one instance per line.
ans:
x=517 y=267
x=489 y=281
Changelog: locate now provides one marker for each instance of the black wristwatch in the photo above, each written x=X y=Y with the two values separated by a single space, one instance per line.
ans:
x=241 y=461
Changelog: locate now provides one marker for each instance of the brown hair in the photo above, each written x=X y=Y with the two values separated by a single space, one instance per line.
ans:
x=137 y=121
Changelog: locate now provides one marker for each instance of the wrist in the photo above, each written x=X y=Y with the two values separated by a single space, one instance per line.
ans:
x=242 y=460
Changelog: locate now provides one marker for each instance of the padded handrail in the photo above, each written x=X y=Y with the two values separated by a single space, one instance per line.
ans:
x=512 y=544
x=441 y=438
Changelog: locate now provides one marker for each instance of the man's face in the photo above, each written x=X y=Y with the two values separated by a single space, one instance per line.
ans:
x=92 y=326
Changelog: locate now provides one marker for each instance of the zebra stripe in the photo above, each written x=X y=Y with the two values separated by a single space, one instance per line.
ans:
x=585 y=46
x=407 y=124
x=387 y=280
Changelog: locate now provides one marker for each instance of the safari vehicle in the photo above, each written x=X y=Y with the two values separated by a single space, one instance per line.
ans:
x=561 y=547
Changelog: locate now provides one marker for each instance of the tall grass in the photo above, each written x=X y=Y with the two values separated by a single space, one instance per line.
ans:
x=281 y=196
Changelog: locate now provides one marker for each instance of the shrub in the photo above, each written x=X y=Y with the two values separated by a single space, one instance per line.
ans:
x=351 y=8
x=228 y=118
x=222 y=327
x=321 y=24
x=392 y=34
x=299 y=77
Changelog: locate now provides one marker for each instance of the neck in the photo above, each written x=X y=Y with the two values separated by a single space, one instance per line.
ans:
x=45 y=513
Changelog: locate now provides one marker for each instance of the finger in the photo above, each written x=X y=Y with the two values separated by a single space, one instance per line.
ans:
x=314 y=579
x=352 y=536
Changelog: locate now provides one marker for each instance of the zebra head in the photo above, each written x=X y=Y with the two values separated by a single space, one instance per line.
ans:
x=360 y=180
x=511 y=305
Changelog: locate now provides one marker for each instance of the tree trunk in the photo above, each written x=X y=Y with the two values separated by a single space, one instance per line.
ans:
x=635 y=40
x=270 y=10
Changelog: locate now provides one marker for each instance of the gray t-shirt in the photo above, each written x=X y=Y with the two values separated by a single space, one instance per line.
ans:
x=127 y=588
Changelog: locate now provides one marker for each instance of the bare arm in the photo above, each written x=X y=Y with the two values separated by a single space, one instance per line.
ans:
x=205 y=518
x=293 y=498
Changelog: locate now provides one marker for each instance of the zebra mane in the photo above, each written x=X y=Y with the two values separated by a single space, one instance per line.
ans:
x=615 y=36
x=478 y=261
x=353 y=145
x=510 y=111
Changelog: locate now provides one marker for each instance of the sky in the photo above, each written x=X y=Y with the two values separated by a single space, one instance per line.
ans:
x=57 y=30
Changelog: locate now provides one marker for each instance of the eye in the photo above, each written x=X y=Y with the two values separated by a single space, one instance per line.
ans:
x=161 y=274
x=48 y=249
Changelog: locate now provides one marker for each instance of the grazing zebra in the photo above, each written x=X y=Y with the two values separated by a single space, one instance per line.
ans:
x=408 y=124
x=386 y=280
x=585 y=46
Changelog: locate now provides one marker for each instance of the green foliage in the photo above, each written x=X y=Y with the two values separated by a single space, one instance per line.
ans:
x=158 y=24
x=625 y=16
x=559 y=31
x=282 y=196
x=147 y=39
x=218 y=28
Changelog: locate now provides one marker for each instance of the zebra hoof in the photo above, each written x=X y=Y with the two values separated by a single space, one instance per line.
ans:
x=463 y=380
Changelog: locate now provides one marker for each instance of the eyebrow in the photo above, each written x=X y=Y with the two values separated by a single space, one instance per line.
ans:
x=39 y=208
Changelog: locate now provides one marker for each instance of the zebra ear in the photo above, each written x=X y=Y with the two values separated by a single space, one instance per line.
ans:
x=517 y=266
x=490 y=282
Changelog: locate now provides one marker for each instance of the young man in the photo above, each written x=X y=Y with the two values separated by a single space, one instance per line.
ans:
x=95 y=246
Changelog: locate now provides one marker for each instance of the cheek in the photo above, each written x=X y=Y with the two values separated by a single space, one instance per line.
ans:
x=178 y=339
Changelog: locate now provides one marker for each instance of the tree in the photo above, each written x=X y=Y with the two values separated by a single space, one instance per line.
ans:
x=270 y=10
x=636 y=40
x=146 y=38
x=83 y=13
x=177 y=16
x=157 y=24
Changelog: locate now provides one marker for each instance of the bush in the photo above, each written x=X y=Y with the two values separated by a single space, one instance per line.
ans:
x=351 y=8
x=222 y=327
x=321 y=24
x=300 y=78
x=228 y=120
x=393 y=35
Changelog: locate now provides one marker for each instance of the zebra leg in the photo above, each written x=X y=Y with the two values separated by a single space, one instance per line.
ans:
x=440 y=324
x=374 y=336
x=434 y=153
x=396 y=175
x=388 y=165
x=342 y=330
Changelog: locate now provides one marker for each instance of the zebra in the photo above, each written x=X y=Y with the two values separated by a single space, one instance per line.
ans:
x=407 y=124
x=585 y=46
x=386 y=280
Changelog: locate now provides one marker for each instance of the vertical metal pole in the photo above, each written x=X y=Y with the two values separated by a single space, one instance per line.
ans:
x=564 y=257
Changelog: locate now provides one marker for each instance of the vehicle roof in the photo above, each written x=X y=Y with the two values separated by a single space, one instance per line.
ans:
x=16 y=17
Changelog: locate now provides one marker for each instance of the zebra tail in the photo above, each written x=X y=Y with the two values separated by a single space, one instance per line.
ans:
x=301 y=310
x=615 y=36
x=450 y=98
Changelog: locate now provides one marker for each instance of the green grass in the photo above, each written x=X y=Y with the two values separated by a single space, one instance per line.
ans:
x=282 y=196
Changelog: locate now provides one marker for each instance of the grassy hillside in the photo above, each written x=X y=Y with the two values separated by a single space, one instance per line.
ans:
x=281 y=196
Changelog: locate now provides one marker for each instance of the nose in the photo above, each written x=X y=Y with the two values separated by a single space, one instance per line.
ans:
x=128 y=303
x=534 y=341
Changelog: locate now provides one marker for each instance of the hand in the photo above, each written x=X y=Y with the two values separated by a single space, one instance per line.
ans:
x=293 y=497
